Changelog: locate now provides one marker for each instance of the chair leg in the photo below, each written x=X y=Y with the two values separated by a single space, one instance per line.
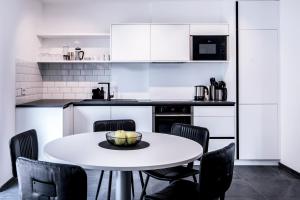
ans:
x=141 y=179
x=195 y=179
x=222 y=197
x=144 y=188
x=132 y=184
x=99 y=184
x=109 y=185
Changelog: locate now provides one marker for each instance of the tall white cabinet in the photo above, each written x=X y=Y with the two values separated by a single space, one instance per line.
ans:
x=258 y=80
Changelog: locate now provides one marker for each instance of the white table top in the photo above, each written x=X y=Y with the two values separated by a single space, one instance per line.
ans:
x=164 y=151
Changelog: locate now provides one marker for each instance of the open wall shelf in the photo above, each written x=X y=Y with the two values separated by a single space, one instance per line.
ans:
x=74 y=36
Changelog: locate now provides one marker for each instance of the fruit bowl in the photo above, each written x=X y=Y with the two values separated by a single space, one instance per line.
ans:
x=123 y=138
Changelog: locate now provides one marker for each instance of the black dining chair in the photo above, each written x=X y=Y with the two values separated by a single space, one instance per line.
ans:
x=43 y=180
x=113 y=125
x=23 y=145
x=199 y=135
x=215 y=177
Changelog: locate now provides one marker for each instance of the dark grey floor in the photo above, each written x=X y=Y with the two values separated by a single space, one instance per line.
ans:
x=249 y=183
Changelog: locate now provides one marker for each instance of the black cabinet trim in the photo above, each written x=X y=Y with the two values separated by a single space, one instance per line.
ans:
x=237 y=79
x=221 y=138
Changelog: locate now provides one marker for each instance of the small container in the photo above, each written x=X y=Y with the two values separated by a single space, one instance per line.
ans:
x=219 y=95
x=123 y=138
x=101 y=93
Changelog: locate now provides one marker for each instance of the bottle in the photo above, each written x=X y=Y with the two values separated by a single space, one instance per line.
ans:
x=101 y=93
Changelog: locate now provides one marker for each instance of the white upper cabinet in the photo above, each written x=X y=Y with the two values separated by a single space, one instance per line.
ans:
x=130 y=42
x=170 y=42
x=259 y=66
x=209 y=29
x=259 y=14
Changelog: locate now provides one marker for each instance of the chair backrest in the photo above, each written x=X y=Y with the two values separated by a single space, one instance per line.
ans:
x=42 y=180
x=216 y=171
x=198 y=134
x=23 y=145
x=114 y=125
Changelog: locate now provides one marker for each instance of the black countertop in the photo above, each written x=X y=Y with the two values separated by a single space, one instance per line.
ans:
x=63 y=103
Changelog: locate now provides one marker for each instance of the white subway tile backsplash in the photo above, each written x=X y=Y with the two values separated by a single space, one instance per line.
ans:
x=53 y=90
x=84 y=84
x=60 y=84
x=58 y=81
x=57 y=96
x=65 y=90
x=72 y=84
x=82 y=96
x=29 y=85
x=48 y=84
x=69 y=96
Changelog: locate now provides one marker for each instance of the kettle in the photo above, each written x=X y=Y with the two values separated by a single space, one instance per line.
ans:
x=201 y=92
x=79 y=54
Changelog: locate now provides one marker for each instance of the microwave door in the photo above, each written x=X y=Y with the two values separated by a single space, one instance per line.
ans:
x=209 y=47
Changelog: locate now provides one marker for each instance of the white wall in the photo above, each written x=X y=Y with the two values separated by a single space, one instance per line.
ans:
x=290 y=83
x=17 y=40
x=149 y=79
x=8 y=19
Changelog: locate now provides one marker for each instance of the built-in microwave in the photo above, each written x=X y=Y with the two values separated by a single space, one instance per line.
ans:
x=205 y=47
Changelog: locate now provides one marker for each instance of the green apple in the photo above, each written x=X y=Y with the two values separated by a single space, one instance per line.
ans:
x=131 y=137
x=120 y=137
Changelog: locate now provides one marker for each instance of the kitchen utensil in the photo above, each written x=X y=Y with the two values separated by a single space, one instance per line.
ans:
x=219 y=95
x=65 y=53
x=200 y=92
x=79 y=54
x=212 y=92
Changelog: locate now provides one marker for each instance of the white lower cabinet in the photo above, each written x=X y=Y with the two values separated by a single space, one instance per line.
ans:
x=259 y=137
x=215 y=144
x=220 y=121
x=48 y=123
x=85 y=116
x=217 y=126
x=142 y=115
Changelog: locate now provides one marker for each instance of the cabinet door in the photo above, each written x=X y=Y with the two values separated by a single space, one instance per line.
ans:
x=259 y=66
x=259 y=14
x=130 y=42
x=142 y=115
x=48 y=123
x=217 y=126
x=85 y=116
x=170 y=43
x=215 y=144
x=259 y=137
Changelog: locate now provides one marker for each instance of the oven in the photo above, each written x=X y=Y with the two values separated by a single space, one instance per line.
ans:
x=205 y=47
x=166 y=115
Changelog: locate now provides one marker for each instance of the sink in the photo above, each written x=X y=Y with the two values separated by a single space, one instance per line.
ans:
x=112 y=100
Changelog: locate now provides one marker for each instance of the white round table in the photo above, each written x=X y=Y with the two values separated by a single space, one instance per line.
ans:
x=164 y=151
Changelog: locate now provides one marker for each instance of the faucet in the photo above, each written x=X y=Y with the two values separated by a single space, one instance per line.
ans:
x=109 y=96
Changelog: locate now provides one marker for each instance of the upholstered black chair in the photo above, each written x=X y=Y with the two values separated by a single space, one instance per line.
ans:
x=215 y=177
x=113 y=125
x=23 y=145
x=199 y=135
x=43 y=180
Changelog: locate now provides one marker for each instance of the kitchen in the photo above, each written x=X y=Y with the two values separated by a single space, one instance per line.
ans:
x=155 y=57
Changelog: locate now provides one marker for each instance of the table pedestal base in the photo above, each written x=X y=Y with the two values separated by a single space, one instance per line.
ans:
x=123 y=185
